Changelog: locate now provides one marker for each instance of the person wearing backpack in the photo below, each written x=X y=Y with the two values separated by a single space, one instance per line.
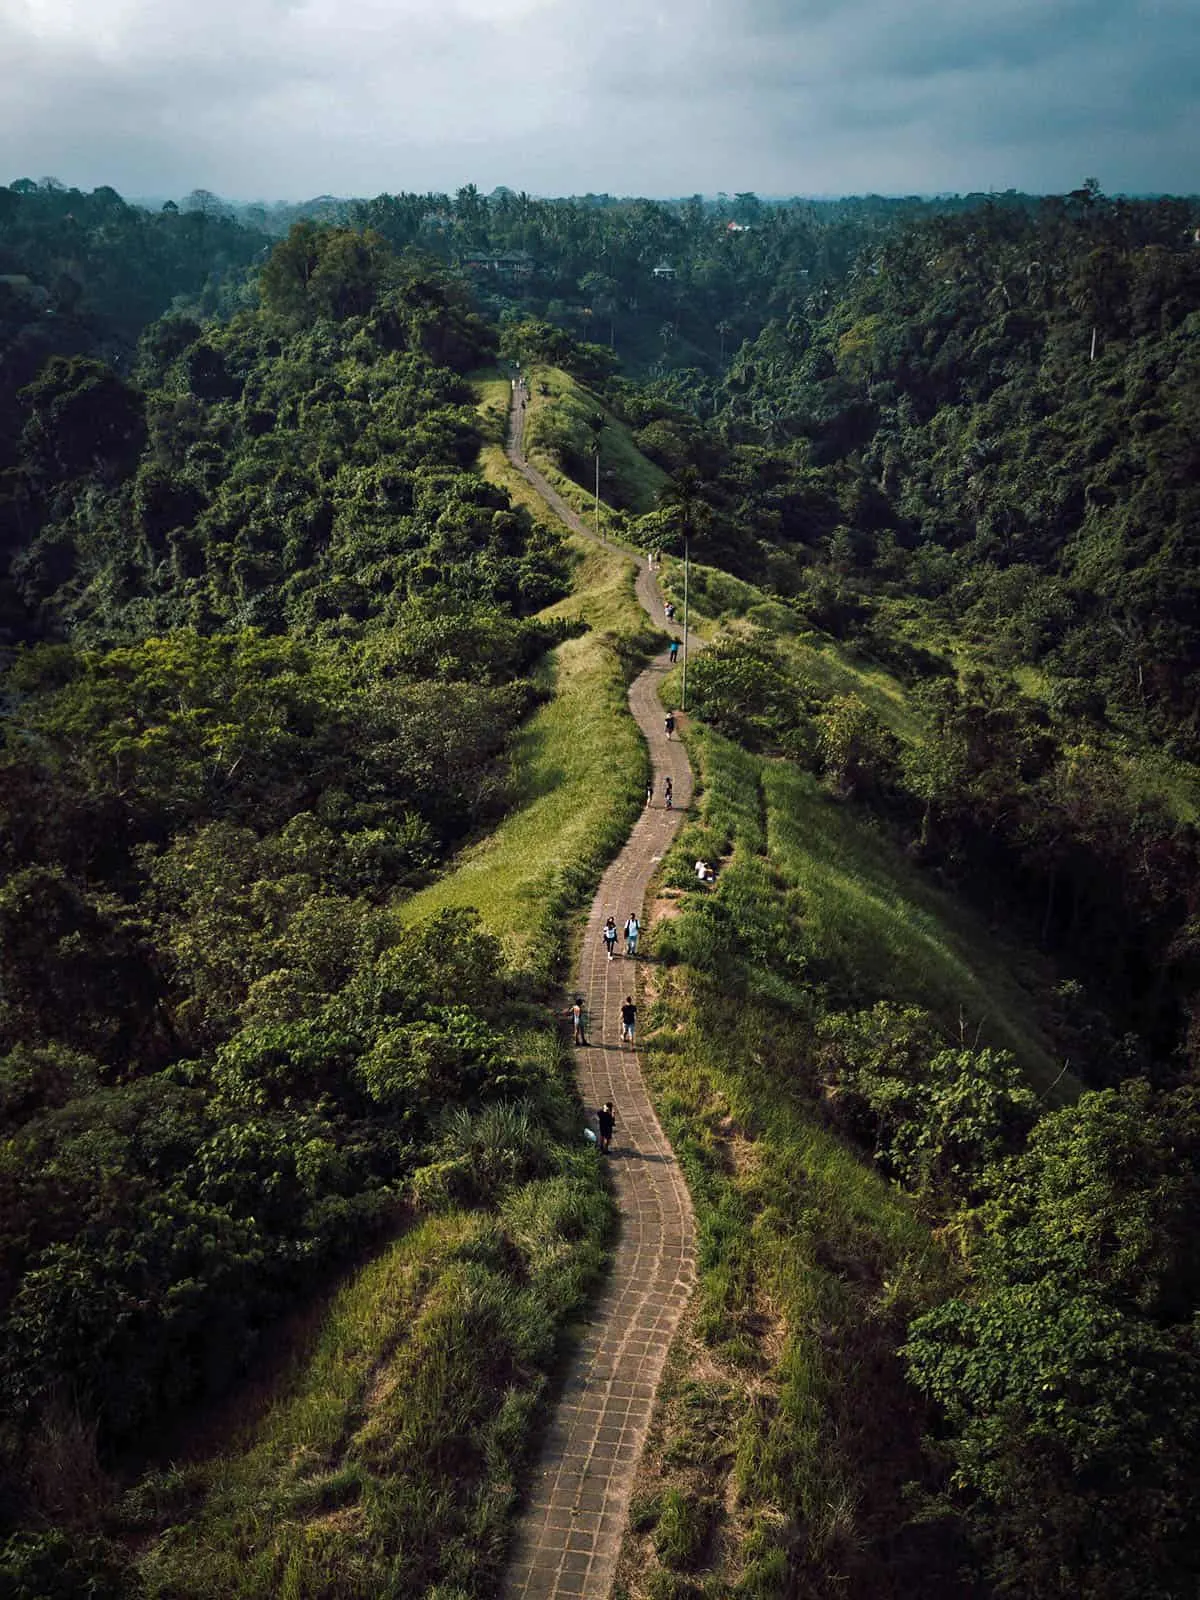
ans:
x=632 y=929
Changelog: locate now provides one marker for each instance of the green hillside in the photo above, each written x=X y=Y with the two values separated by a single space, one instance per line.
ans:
x=315 y=743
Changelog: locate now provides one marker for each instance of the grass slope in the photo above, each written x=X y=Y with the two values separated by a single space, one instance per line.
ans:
x=385 y=1462
x=786 y=1436
x=579 y=765
x=788 y=1441
x=559 y=408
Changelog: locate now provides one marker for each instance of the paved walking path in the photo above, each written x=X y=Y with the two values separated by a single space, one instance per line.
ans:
x=570 y=1534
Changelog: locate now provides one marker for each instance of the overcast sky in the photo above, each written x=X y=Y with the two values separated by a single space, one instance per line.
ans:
x=286 y=99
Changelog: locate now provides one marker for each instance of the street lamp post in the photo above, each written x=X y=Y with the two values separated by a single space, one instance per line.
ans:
x=599 y=534
x=686 y=572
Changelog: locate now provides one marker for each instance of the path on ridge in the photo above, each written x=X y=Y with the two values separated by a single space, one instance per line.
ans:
x=569 y=1535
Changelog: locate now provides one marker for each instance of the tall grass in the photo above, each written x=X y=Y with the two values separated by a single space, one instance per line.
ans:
x=579 y=771
x=386 y=1463
x=627 y=476
x=787 y=1409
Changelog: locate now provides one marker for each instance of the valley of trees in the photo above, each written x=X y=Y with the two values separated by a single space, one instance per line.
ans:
x=268 y=636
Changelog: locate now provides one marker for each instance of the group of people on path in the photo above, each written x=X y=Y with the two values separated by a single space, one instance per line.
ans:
x=632 y=931
x=577 y=1011
x=605 y=1117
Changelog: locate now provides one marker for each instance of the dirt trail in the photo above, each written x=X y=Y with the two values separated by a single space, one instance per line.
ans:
x=570 y=1533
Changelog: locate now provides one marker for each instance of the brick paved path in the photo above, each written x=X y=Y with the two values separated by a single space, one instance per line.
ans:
x=569 y=1536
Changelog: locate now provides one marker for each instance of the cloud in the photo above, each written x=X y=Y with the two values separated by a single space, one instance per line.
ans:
x=273 y=98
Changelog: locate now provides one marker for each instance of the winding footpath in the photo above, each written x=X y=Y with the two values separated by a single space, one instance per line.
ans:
x=569 y=1536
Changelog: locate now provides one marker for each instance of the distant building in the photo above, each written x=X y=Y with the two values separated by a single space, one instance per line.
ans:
x=664 y=269
x=501 y=263
x=737 y=227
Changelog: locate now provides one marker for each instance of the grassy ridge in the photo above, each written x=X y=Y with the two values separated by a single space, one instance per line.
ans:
x=868 y=913
x=579 y=769
x=386 y=1462
x=558 y=409
x=788 y=1435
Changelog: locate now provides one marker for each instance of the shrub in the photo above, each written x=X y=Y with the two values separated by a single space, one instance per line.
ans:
x=684 y=1527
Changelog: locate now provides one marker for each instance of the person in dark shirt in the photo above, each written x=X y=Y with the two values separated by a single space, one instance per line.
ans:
x=628 y=1020
x=606 y=1121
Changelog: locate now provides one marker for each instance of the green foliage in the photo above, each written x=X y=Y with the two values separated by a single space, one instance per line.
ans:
x=82 y=419
x=856 y=751
x=56 y=1566
x=324 y=272
x=938 y=1118
x=304 y=466
x=1070 y=1382
x=740 y=689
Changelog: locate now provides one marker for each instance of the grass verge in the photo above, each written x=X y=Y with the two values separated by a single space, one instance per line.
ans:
x=788 y=1440
x=386 y=1464
x=786 y=1419
x=556 y=426
x=579 y=770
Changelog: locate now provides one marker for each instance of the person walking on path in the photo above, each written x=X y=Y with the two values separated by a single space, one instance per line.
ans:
x=674 y=651
x=632 y=930
x=609 y=935
x=668 y=792
x=669 y=724
x=669 y=611
x=577 y=1019
x=650 y=791
x=628 y=1020
x=606 y=1121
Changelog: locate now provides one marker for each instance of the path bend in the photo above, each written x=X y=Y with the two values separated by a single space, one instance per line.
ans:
x=569 y=1535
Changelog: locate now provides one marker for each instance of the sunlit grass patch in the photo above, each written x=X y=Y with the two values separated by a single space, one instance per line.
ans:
x=493 y=389
x=578 y=773
x=835 y=670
